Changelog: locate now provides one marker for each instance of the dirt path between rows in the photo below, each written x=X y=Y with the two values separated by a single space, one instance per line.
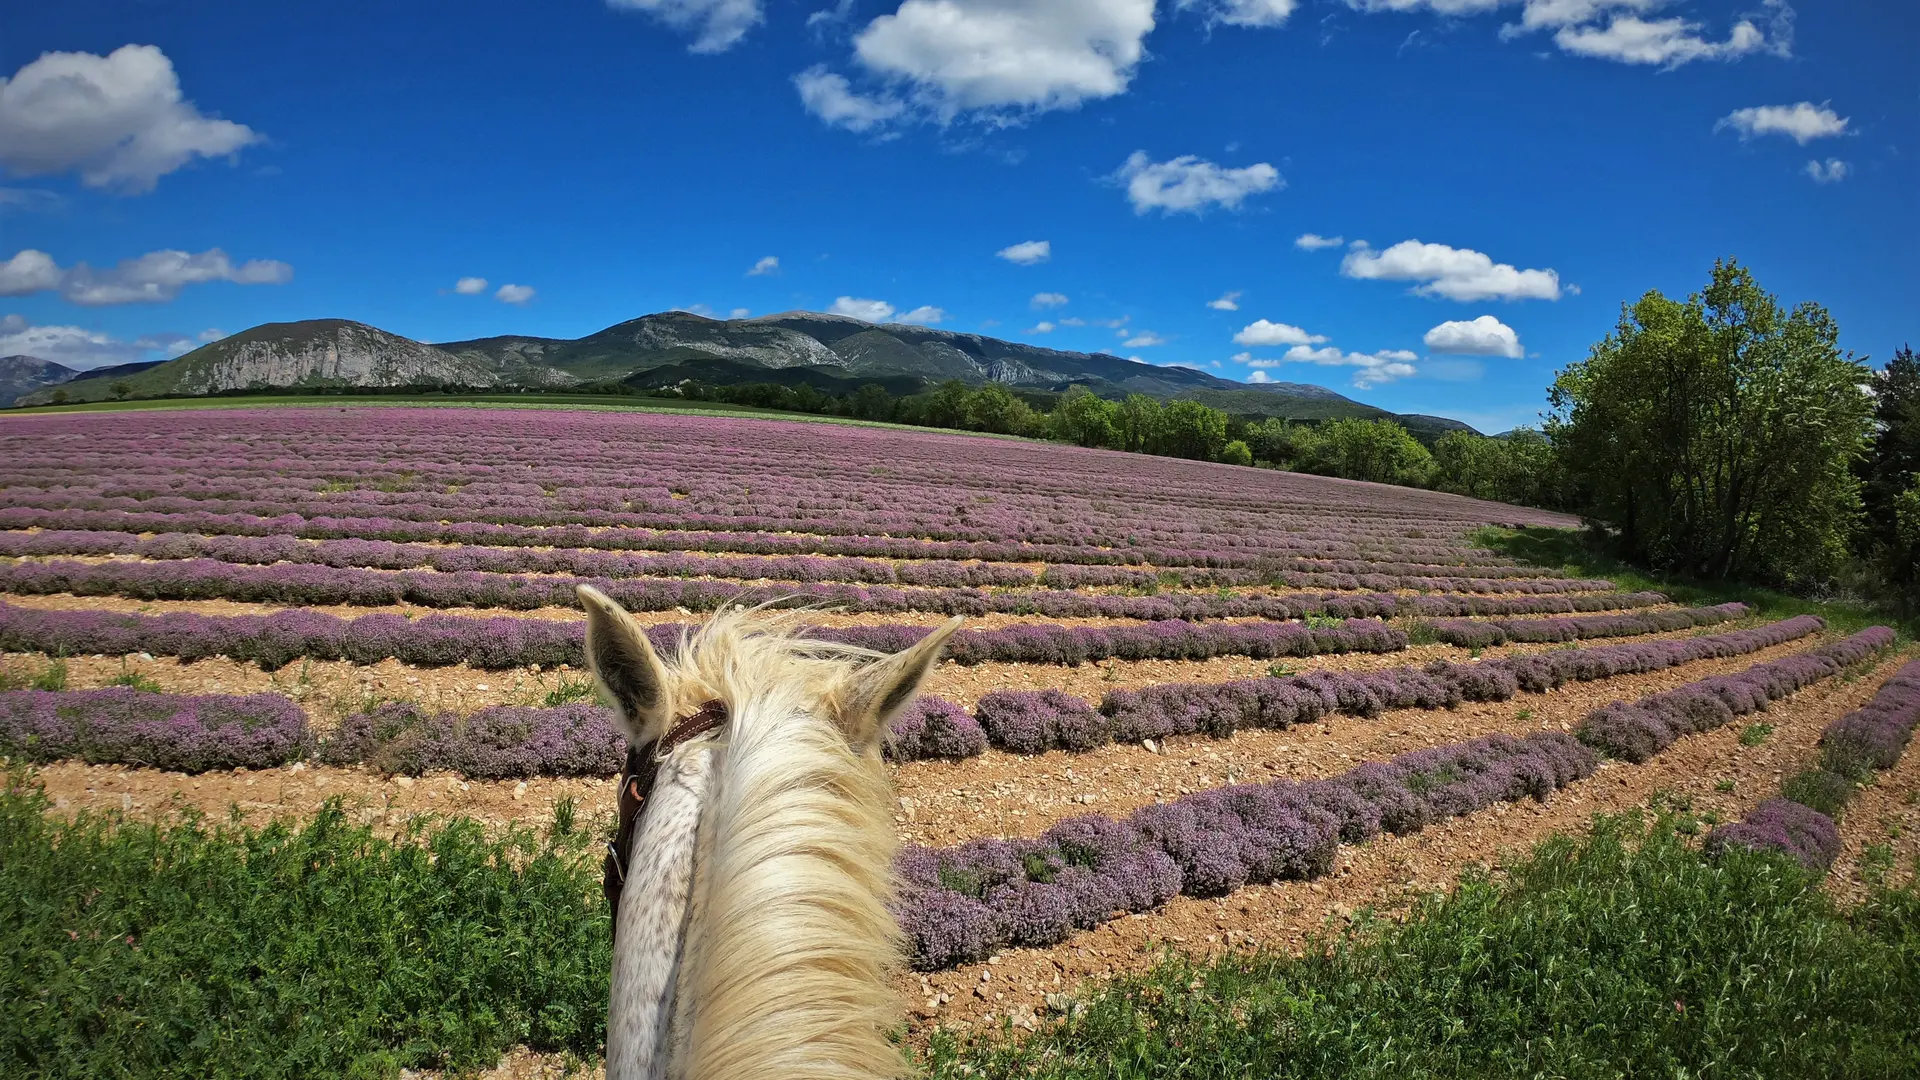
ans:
x=1880 y=833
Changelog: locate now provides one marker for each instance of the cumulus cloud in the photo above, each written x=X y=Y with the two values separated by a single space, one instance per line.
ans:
x=716 y=25
x=1832 y=172
x=1374 y=368
x=1802 y=123
x=78 y=347
x=832 y=98
x=767 y=265
x=470 y=286
x=740 y=313
x=120 y=120
x=1145 y=339
x=1027 y=252
x=29 y=271
x=155 y=277
x=1227 y=302
x=1315 y=242
x=924 y=315
x=1484 y=336
x=1006 y=57
x=1249 y=13
x=856 y=307
x=1259 y=377
x=1188 y=185
x=514 y=294
x=1041 y=328
x=1455 y=273
x=1262 y=332
x=1047 y=299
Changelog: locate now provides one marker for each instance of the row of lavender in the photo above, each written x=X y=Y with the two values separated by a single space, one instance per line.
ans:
x=299 y=584
x=963 y=903
x=1479 y=634
x=1034 y=721
x=388 y=555
x=1802 y=822
x=192 y=733
x=1217 y=552
x=276 y=640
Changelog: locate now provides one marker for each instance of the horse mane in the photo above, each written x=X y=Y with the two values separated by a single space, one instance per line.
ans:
x=790 y=942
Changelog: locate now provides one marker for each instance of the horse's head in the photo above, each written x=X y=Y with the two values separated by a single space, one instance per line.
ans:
x=754 y=938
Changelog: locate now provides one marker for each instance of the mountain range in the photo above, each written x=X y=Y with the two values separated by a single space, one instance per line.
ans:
x=832 y=353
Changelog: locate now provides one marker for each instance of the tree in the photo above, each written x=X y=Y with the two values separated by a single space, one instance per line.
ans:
x=1189 y=429
x=1281 y=442
x=871 y=402
x=121 y=388
x=1136 y=424
x=947 y=406
x=1467 y=463
x=1890 y=475
x=1084 y=418
x=1718 y=435
x=1236 y=453
x=1376 y=450
x=61 y=396
x=994 y=408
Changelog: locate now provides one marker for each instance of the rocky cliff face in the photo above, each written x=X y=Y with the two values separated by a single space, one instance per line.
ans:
x=337 y=353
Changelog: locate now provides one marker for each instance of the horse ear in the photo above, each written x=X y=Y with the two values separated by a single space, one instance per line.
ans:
x=881 y=689
x=628 y=670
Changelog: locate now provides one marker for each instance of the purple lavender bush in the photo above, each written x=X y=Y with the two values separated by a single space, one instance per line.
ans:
x=499 y=743
x=1874 y=736
x=1785 y=826
x=932 y=727
x=1035 y=721
x=124 y=726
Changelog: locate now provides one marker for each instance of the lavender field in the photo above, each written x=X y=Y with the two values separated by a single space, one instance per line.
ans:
x=1185 y=684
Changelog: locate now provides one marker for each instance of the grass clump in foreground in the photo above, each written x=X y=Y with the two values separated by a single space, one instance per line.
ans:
x=1627 y=953
x=137 y=950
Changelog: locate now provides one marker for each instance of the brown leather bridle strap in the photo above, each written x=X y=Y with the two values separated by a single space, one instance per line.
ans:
x=636 y=783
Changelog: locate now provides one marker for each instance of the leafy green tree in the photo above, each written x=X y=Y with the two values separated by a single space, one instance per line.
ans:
x=947 y=406
x=61 y=396
x=1890 y=474
x=1376 y=450
x=1084 y=418
x=1467 y=463
x=1717 y=435
x=994 y=408
x=1281 y=442
x=871 y=402
x=1136 y=424
x=121 y=389
x=1189 y=429
x=1236 y=453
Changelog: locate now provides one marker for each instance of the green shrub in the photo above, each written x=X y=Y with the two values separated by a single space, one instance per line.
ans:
x=1824 y=791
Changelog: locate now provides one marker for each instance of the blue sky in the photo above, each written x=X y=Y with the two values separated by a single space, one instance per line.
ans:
x=1135 y=176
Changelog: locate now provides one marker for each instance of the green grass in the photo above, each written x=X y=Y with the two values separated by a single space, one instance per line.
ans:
x=1575 y=552
x=1624 y=954
x=1755 y=734
x=134 y=950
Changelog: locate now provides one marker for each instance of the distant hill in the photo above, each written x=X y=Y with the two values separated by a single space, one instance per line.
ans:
x=22 y=375
x=830 y=352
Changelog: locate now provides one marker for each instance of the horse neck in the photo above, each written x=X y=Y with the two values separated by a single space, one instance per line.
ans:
x=789 y=942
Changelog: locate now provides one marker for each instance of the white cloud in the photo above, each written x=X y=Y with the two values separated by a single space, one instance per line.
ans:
x=156 y=277
x=1250 y=13
x=1374 y=368
x=1048 y=299
x=830 y=97
x=210 y=335
x=29 y=271
x=119 y=119
x=1314 y=241
x=836 y=15
x=1630 y=39
x=740 y=313
x=470 y=286
x=514 y=294
x=1263 y=332
x=1832 y=172
x=1484 y=336
x=1145 y=339
x=1259 y=377
x=74 y=346
x=1802 y=123
x=1455 y=273
x=1041 y=328
x=1027 y=252
x=767 y=265
x=924 y=315
x=865 y=310
x=1189 y=185
x=1006 y=57
x=29 y=200
x=1227 y=302
x=717 y=25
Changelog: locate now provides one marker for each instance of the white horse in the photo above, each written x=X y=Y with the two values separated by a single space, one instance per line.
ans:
x=752 y=937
